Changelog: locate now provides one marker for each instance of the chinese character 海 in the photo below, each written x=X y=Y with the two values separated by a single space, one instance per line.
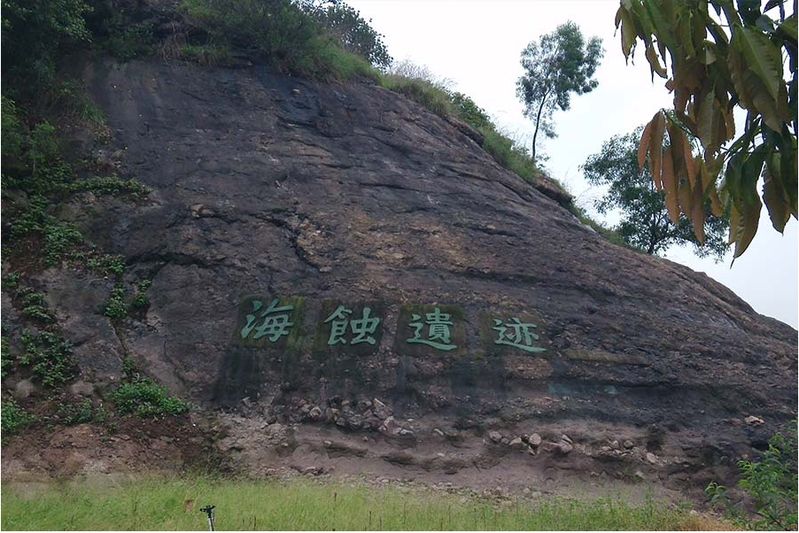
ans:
x=276 y=321
x=438 y=330
x=363 y=328
x=517 y=334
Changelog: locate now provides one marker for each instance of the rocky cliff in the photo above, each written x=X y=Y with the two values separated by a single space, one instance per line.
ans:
x=570 y=354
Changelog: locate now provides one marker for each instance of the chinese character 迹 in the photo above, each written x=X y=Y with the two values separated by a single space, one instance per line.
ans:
x=363 y=328
x=517 y=334
x=276 y=321
x=438 y=330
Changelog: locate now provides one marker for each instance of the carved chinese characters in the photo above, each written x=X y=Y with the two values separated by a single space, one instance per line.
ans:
x=351 y=327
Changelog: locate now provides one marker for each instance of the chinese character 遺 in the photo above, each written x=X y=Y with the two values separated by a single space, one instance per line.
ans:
x=438 y=330
x=517 y=334
x=276 y=321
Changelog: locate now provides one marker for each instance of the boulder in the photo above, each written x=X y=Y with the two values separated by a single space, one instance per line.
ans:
x=23 y=389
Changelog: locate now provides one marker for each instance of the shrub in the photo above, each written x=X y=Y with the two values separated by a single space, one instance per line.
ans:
x=115 y=307
x=207 y=54
x=424 y=92
x=771 y=482
x=147 y=399
x=71 y=414
x=34 y=33
x=11 y=280
x=277 y=32
x=141 y=300
x=128 y=41
x=107 y=264
x=5 y=357
x=354 y=33
x=111 y=185
x=14 y=418
x=38 y=312
x=49 y=356
x=59 y=239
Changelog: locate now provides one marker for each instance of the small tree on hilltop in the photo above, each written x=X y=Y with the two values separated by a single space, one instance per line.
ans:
x=559 y=64
x=645 y=221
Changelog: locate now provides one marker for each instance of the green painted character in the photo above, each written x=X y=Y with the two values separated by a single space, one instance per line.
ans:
x=363 y=328
x=439 y=335
x=338 y=327
x=277 y=321
x=517 y=334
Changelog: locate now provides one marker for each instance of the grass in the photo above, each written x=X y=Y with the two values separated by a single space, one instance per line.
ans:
x=158 y=503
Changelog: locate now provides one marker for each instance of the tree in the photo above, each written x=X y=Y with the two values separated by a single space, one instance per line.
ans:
x=354 y=33
x=560 y=64
x=645 y=219
x=34 y=33
x=720 y=59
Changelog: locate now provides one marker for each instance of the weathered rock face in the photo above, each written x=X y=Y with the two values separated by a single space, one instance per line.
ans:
x=279 y=187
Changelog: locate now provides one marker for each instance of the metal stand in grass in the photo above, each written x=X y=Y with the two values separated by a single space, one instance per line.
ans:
x=209 y=511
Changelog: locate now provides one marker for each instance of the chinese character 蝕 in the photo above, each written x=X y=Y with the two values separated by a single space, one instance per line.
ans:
x=438 y=330
x=517 y=334
x=276 y=321
x=363 y=327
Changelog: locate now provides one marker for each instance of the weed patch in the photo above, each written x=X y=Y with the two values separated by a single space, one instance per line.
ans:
x=115 y=307
x=147 y=399
x=14 y=418
x=71 y=414
x=49 y=356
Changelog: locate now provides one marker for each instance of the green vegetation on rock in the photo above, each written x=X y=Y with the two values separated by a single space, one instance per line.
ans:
x=147 y=399
x=116 y=308
x=277 y=32
x=82 y=412
x=49 y=356
x=14 y=418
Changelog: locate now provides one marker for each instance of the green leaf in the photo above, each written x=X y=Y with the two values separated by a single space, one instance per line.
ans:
x=753 y=91
x=774 y=193
x=750 y=216
x=762 y=58
x=788 y=27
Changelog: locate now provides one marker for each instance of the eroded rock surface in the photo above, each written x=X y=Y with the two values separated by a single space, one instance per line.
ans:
x=276 y=186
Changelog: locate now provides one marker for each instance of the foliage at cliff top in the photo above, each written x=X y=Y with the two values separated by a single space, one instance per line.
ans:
x=720 y=56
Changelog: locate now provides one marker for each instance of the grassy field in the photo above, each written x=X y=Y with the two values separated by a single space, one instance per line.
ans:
x=301 y=505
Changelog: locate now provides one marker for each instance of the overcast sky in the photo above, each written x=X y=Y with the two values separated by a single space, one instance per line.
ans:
x=477 y=44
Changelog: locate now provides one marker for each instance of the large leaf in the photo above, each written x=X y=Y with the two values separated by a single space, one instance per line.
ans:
x=710 y=123
x=750 y=216
x=654 y=63
x=698 y=212
x=670 y=186
x=788 y=27
x=774 y=194
x=756 y=70
x=643 y=146
x=628 y=34
x=656 y=149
